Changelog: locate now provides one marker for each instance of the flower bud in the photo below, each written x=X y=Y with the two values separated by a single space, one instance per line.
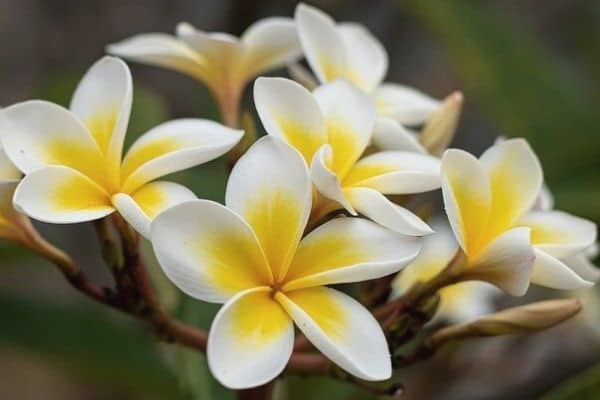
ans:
x=440 y=128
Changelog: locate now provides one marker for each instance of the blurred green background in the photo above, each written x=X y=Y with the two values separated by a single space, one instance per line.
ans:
x=527 y=68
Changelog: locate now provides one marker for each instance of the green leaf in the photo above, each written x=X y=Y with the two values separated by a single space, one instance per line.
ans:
x=104 y=348
x=584 y=386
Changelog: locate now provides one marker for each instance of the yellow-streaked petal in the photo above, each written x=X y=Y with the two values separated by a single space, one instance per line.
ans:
x=38 y=133
x=173 y=146
x=558 y=233
x=102 y=102
x=208 y=251
x=250 y=341
x=270 y=188
x=349 y=250
x=515 y=178
x=61 y=195
x=551 y=272
x=326 y=181
x=350 y=117
x=146 y=203
x=161 y=50
x=289 y=111
x=269 y=43
x=342 y=329
x=396 y=172
x=7 y=212
x=467 y=199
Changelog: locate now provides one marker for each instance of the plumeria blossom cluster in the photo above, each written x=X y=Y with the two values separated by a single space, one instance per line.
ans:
x=323 y=199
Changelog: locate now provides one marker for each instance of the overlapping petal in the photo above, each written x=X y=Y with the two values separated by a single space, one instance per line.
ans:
x=208 y=251
x=140 y=208
x=251 y=340
x=349 y=250
x=326 y=181
x=174 y=146
x=342 y=329
x=549 y=271
x=390 y=135
x=404 y=104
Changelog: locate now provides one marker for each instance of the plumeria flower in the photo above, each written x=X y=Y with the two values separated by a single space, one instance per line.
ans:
x=251 y=256
x=72 y=158
x=349 y=51
x=221 y=61
x=460 y=302
x=487 y=201
x=10 y=220
x=331 y=128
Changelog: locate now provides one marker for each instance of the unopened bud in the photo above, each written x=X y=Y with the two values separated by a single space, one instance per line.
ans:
x=518 y=320
x=440 y=128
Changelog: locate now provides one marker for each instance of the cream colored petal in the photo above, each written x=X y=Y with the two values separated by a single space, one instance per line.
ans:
x=8 y=171
x=404 y=104
x=551 y=272
x=390 y=135
x=326 y=181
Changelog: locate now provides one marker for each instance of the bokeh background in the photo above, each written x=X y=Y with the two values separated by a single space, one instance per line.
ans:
x=527 y=68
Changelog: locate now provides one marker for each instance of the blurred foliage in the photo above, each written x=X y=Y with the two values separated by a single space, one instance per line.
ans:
x=585 y=386
x=84 y=340
x=526 y=91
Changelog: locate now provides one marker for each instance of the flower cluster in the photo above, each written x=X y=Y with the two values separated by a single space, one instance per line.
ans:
x=321 y=200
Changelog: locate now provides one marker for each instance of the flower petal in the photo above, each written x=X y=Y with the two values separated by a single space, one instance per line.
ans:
x=378 y=208
x=467 y=198
x=250 y=341
x=163 y=51
x=396 y=172
x=365 y=55
x=326 y=181
x=581 y=264
x=322 y=43
x=516 y=179
x=208 y=251
x=146 y=203
x=507 y=262
x=466 y=301
x=270 y=43
x=7 y=211
x=289 y=111
x=390 y=135
x=551 y=272
x=404 y=104
x=102 y=102
x=350 y=118
x=61 y=195
x=174 y=146
x=558 y=233
x=342 y=329
x=270 y=188
x=8 y=171
x=347 y=250
x=36 y=134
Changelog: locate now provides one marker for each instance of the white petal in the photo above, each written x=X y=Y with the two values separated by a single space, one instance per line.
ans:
x=390 y=135
x=251 y=340
x=322 y=43
x=465 y=301
x=102 y=102
x=506 y=263
x=366 y=57
x=270 y=43
x=342 y=329
x=161 y=50
x=61 y=195
x=551 y=272
x=146 y=203
x=350 y=117
x=270 y=188
x=404 y=104
x=396 y=172
x=558 y=233
x=347 y=250
x=289 y=111
x=544 y=200
x=174 y=146
x=580 y=264
x=378 y=208
x=326 y=181
x=208 y=251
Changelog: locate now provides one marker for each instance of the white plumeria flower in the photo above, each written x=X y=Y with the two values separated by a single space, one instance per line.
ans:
x=349 y=51
x=331 y=128
x=72 y=158
x=9 y=179
x=460 y=302
x=487 y=202
x=221 y=61
x=251 y=256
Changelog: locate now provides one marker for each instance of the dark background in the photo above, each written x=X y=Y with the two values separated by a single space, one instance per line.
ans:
x=527 y=68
